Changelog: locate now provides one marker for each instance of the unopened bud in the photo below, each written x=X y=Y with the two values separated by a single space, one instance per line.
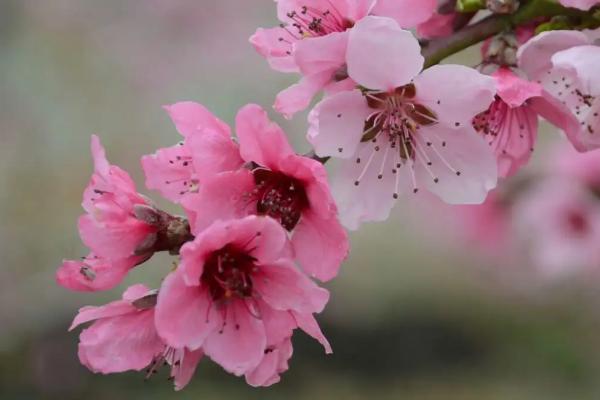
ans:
x=502 y=6
x=503 y=50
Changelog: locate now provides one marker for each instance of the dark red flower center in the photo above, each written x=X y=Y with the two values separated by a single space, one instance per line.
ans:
x=280 y=197
x=577 y=222
x=228 y=273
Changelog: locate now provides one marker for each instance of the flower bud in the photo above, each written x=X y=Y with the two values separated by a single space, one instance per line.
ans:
x=502 y=6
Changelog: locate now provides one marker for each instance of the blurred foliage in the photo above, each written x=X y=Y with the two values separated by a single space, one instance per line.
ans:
x=411 y=316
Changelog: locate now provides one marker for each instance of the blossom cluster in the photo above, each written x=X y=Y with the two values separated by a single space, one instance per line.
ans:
x=261 y=224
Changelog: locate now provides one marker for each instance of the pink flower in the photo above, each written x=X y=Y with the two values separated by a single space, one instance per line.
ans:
x=565 y=63
x=581 y=4
x=110 y=228
x=559 y=221
x=510 y=124
x=406 y=129
x=123 y=338
x=281 y=184
x=238 y=296
x=312 y=40
x=178 y=170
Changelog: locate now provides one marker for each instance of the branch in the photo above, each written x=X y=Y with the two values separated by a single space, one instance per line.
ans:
x=437 y=50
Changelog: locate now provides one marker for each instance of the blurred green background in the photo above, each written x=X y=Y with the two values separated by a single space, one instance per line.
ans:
x=412 y=316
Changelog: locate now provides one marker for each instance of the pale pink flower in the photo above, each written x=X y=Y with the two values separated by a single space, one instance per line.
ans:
x=405 y=130
x=207 y=147
x=123 y=338
x=312 y=40
x=581 y=4
x=510 y=124
x=238 y=296
x=276 y=182
x=110 y=228
x=565 y=63
x=558 y=222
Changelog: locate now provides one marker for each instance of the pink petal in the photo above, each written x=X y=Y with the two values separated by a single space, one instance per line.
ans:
x=212 y=153
x=514 y=90
x=190 y=117
x=373 y=199
x=338 y=124
x=90 y=313
x=408 y=13
x=113 y=241
x=279 y=325
x=321 y=245
x=584 y=61
x=553 y=111
x=170 y=172
x=121 y=343
x=101 y=165
x=185 y=315
x=581 y=4
x=321 y=54
x=381 y=55
x=183 y=374
x=261 y=140
x=239 y=345
x=464 y=152
x=284 y=288
x=309 y=324
x=299 y=96
x=275 y=45
x=455 y=93
x=272 y=365
x=223 y=197
x=535 y=55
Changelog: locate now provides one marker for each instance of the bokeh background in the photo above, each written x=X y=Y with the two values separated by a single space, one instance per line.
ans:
x=412 y=316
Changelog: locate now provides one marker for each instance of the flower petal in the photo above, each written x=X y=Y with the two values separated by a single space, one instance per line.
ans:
x=462 y=162
x=535 y=55
x=321 y=54
x=261 y=140
x=456 y=94
x=381 y=55
x=285 y=288
x=321 y=245
x=239 y=345
x=299 y=96
x=338 y=124
x=185 y=315
x=408 y=13
x=190 y=117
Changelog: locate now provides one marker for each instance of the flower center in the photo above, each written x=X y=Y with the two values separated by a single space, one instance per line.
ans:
x=280 y=197
x=227 y=273
x=398 y=117
x=577 y=222
x=393 y=138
